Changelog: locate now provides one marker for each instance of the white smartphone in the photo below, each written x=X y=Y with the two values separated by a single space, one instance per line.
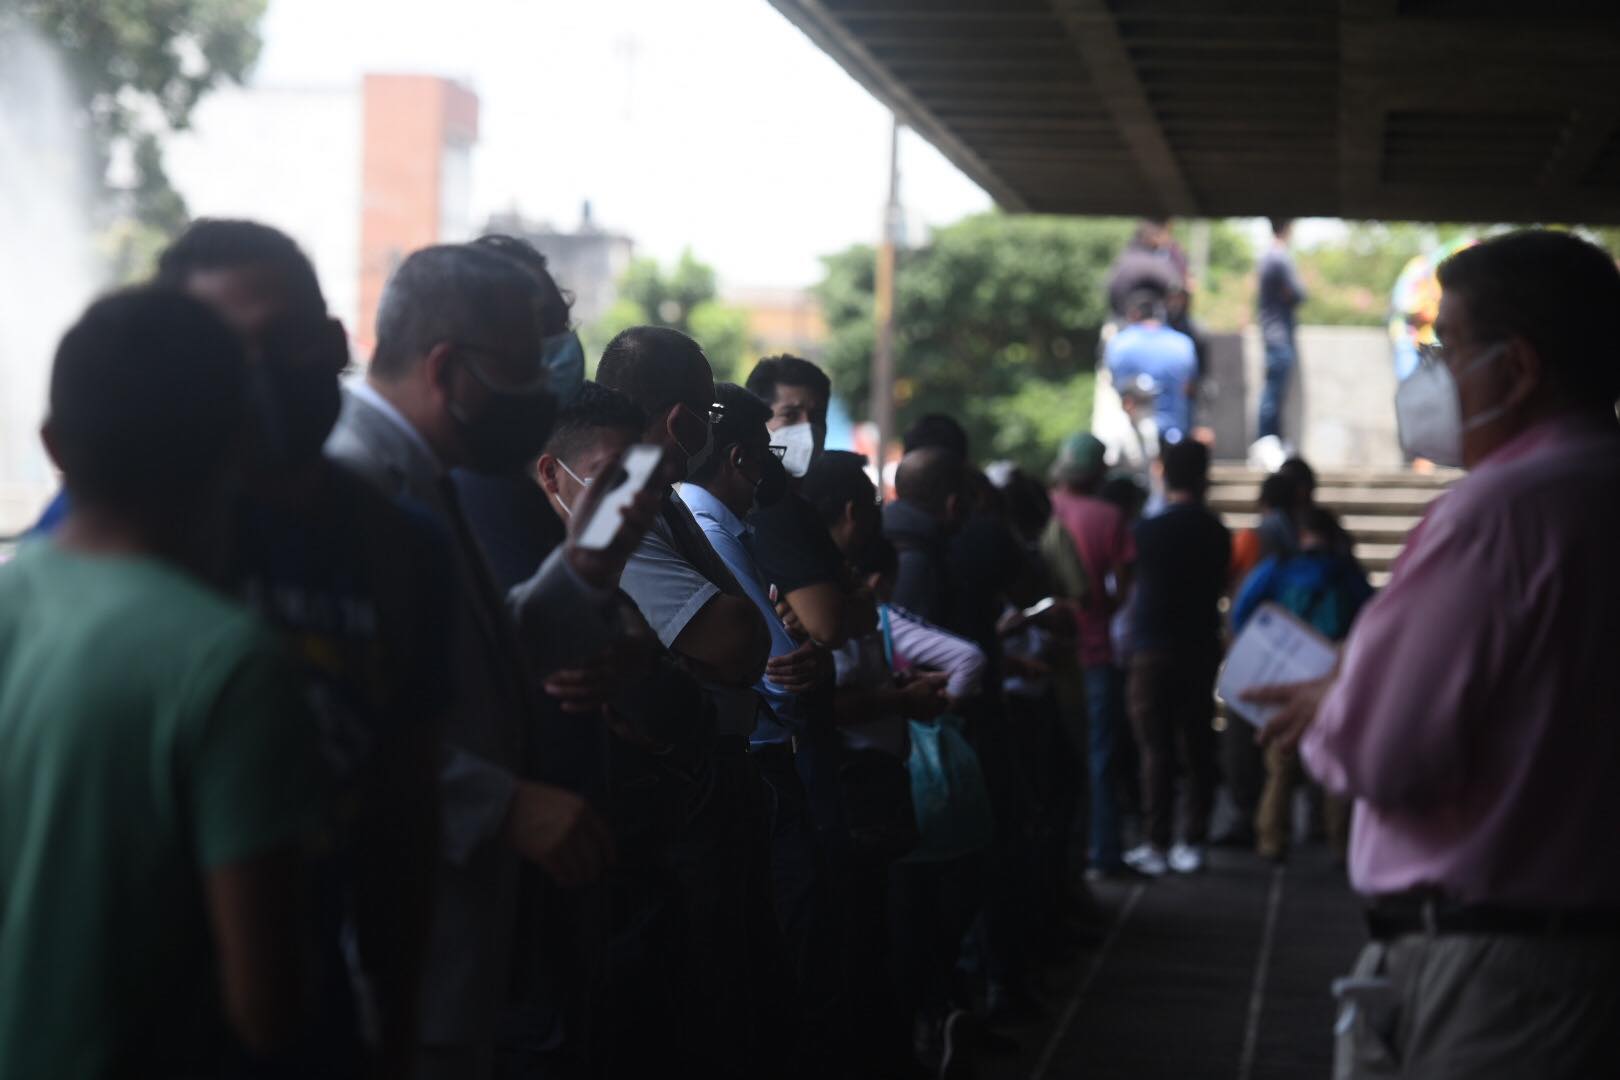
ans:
x=637 y=469
x=1040 y=606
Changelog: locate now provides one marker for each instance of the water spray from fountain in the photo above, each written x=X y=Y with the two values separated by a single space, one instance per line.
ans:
x=49 y=267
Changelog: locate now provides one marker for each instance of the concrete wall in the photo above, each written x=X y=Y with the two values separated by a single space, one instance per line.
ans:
x=1341 y=408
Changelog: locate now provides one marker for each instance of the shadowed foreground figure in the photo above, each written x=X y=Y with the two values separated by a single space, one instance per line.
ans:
x=158 y=770
x=1475 y=715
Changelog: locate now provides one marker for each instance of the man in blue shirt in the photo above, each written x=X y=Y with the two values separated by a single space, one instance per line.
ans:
x=1148 y=350
x=741 y=473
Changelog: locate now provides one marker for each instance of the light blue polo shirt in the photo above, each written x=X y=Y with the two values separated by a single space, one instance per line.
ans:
x=730 y=537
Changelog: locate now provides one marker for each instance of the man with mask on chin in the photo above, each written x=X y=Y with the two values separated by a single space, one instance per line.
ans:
x=1475 y=713
x=458 y=379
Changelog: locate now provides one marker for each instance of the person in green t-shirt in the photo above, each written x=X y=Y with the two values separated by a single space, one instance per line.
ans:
x=158 y=771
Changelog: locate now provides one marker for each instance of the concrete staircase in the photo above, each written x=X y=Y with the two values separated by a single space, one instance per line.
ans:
x=1378 y=507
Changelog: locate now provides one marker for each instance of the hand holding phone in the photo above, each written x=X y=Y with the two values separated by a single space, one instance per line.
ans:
x=638 y=468
x=609 y=523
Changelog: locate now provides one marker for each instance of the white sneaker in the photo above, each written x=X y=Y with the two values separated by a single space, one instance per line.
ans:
x=1186 y=858
x=1147 y=860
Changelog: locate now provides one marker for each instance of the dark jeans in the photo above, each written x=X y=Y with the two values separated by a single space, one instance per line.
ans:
x=1105 y=709
x=1281 y=360
x=1172 y=709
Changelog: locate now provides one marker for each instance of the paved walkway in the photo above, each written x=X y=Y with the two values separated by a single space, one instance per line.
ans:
x=1223 y=975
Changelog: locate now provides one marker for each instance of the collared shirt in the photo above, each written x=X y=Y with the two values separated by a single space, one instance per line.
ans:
x=1476 y=719
x=731 y=538
x=363 y=390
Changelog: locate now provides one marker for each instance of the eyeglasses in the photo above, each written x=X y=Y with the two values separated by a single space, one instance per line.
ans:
x=715 y=413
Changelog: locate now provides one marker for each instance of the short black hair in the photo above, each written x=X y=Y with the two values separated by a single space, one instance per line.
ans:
x=937 y=429
x=555 y=305
x=1299 y=471
x=930 y=476
x=789 y=370
x=594 y=409
x=1556 y=291
x=229 y=243
x=743 y=420
x=1124 y=490
x=458 y=293
x=1320 y=520
x=1144 y=304
x=1280 y=225
x=656 y=367
x=147 y=392
x=836 y=479
x=1026 y=502
x=1279 y=491
x=1186 y=466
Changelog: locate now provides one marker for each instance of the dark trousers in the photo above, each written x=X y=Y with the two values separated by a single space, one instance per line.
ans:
x=1050 y=769
x=1105 y=714
x=734 y=986
x=1281 y=359
x=1172 y=710
x=1244 y=766
x=931 y=907
x=803 y=913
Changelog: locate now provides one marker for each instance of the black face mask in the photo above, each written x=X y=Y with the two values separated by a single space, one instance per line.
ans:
x=294 y=397
x=512 y=427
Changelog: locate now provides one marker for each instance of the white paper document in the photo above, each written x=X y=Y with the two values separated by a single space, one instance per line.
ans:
x=1274 y=649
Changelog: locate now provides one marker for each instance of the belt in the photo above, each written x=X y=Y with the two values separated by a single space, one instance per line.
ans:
x=785 y=751
x=1391 y=917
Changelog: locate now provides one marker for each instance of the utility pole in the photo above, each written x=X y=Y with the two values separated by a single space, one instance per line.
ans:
x=882 y=410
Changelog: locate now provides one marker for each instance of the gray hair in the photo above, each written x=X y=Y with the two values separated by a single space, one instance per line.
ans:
x=453 y=293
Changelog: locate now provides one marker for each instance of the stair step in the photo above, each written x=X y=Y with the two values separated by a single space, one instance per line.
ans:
x=1349 y=500
x=1367 y=528
x=1377 y=478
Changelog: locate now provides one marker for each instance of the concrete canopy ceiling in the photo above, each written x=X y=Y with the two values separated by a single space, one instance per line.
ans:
x=1445 y=110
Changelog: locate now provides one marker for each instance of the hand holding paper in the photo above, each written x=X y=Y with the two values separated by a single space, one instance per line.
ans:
x=1277 y=673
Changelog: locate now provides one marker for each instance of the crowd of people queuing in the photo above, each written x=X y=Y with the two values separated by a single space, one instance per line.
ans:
x=331 y=744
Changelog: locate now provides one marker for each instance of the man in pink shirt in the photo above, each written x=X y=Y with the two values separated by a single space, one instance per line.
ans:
x=1101 y=541
x=1475 y=716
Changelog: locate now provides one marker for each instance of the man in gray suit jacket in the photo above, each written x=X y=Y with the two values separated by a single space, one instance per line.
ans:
x=457 y=380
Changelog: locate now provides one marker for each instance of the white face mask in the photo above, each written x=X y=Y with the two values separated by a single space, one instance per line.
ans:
x=696 y=461
x=1428 y=410
x=582 y=483
x=798 y=442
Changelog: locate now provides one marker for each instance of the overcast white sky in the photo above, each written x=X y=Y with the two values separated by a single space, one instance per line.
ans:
x=709 y=123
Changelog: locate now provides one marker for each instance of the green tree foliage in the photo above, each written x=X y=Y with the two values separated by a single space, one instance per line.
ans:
x=1349 y=281
x=141 y=66
x=996 y=323
x=685 y=297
